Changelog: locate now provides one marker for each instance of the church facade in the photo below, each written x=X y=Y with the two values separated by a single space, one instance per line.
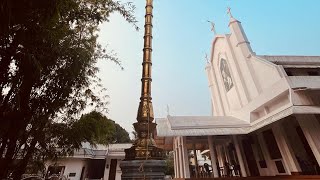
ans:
x=265 y=120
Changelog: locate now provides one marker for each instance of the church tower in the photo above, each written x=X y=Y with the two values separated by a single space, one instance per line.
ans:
x=239 y=36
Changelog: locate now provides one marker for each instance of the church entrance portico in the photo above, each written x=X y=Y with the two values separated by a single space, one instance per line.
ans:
x=278 y=149
x=208 y=156
x=304 y=134
x=285 y=148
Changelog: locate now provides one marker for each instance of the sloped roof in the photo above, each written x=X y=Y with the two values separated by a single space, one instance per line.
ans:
x=292 y=60
x=164 y=130
x=200 y=125
x=226 y=125
x=203 y=122
x=119 y=147
x=99 y=151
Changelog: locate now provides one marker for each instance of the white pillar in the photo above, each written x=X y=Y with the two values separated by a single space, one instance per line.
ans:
x=225 y=153
x=175 y=163
x=176 y=158
x=290 y=162
x=220 y=159
x=181 y=160
x=239 y=155
x=270 y=164
x=213 y=157
x=195 y=157
x=185 y=157
x=219 y=156
x=311 y=130
x=118 y=175
x=244 y=156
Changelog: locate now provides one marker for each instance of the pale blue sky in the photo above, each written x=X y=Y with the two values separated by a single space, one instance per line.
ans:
x=182 y=36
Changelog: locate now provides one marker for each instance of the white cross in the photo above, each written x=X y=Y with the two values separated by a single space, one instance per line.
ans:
x=207 y=59
x=229 y=12
x=213 y=29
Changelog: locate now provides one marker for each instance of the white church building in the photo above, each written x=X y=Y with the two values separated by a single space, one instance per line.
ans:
x=265 y=120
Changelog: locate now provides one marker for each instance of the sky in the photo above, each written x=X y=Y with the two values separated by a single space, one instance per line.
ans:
x=182 y=37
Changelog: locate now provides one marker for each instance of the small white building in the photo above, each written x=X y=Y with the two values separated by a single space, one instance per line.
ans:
x=266 y=114
x=100 y=162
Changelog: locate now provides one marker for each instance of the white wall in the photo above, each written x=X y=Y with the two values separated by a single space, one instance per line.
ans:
x=252 y=76
x=72 y=165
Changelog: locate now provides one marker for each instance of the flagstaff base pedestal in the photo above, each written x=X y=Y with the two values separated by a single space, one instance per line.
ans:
x=150 y=169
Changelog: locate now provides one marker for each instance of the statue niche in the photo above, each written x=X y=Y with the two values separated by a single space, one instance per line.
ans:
x=226 y=75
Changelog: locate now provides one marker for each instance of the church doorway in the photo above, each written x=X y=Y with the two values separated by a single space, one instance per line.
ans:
x=274 y=151
x=199 y=157
x=96 y=168
x=311 y=166
x=228 y=164
x=113 y=169
x=248 y=152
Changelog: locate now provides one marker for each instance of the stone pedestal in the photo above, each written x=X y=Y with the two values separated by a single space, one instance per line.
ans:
x=143 y=169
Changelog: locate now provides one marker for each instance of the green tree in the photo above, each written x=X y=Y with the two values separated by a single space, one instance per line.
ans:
x=48 y=55
x=169 y=170
x=93 y=127
x=96 y=128
x=121 y=135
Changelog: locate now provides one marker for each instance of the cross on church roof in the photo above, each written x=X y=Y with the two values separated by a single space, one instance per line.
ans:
x=229 y=12
x=213 y=29
x=168 y=110
x=207 y=59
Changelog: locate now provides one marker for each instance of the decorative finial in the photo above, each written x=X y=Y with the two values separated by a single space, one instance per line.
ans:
x=213 y=29
x=229 y=12
x=207 y=59
x=168 y=110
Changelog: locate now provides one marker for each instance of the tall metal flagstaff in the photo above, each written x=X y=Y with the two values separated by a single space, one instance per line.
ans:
x=144 y=160
x=144 y=147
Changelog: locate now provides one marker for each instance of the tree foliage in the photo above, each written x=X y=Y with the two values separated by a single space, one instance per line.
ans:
x=94 y=128
x=121 y=135
x=48 y=55
x=169 y=170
